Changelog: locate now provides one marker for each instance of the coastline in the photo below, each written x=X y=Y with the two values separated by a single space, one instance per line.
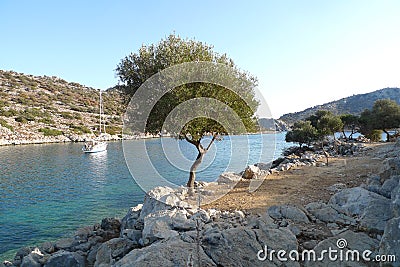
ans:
x=136 y=232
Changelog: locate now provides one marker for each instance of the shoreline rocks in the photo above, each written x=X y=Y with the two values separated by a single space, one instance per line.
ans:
x=167 y=231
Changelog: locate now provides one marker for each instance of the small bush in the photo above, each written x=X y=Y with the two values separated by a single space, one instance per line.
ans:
x=3 y=123
x=375 y=135
x=47 y=121
x=79 y=128
x=66 y=115
x=21 y=119
x=8 y=113
x=50 y=132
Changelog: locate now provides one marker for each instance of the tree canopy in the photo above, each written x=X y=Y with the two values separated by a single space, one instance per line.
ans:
x=136 y=68
x=384 y=115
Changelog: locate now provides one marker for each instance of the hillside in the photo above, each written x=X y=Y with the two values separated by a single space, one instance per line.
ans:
x=353 y=104
x=41 y=108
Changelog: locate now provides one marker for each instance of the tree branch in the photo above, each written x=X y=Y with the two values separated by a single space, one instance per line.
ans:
x=212 y=140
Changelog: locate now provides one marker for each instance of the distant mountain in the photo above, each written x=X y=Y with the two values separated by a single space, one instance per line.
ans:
x=36 y=107
x=354 y=104
x=269 y=124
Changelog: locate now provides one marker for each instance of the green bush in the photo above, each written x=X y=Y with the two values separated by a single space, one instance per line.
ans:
x=6 y=125
x=80 y=128
x=22 y=119
x=50 y=132
x=8 y=113
x=374 y=135
x=47 y=121
x=66 y=115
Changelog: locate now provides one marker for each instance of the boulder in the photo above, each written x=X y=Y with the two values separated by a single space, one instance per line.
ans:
x=65 y=258
x=390 y=167
x=251 y=172
x=130 y=219
x=160 y=225
x=169 y=253
x=390 y=242
x=353 y=201
x=287 y=212
x=232 y=247
x=159 y=198
x=34 y=259
x=328 y=214
x=228 y=178
x=389 y=185
x=372 y=209
x=345 y=242
x=111 y=228
x=112 y=251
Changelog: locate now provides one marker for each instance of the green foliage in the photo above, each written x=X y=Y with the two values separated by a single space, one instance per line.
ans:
x=66 y=115
x=374 y=135
x=302 y=133
x=80 y=128
x=50 y=132
x=113 y=130
x=4 y=123
x=351 y=123
x=326 y=123
x=8 y=113
x=136 y=68
x=22 y=119
x=385 y=115
x=47 y=121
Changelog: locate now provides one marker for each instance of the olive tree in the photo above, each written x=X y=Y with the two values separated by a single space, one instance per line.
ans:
x=136 y=68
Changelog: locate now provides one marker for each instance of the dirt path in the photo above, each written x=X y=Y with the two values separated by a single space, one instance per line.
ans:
x=302 y=185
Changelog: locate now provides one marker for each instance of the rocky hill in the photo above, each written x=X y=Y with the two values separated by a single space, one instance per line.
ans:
x=36 y=109
x=354 y=104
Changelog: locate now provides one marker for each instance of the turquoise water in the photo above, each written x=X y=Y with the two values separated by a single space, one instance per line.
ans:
x=48 y=191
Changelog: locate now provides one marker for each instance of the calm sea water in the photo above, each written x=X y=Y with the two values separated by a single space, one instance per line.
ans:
x=48 y=191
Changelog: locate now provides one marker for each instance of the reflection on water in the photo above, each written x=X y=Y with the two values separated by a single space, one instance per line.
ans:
x=47 y=191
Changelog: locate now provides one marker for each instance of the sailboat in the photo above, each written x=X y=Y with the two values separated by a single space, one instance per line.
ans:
x=94 y=146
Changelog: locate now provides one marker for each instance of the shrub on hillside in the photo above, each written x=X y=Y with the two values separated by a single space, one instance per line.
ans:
x=50 y=132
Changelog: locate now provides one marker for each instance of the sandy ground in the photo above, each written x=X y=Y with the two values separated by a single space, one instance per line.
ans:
x=302 y=185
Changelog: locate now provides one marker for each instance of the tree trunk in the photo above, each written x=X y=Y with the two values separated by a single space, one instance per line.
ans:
x=196 y=163
x=387 y=135
x=344 y=135
x=325 y=153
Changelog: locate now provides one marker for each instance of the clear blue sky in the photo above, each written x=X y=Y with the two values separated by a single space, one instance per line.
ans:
x=304 y=53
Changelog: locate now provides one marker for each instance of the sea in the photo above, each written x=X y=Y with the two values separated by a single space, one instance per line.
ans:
x=48 y=191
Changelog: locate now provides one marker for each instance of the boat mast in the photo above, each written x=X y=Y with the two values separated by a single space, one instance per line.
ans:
x=100 y=106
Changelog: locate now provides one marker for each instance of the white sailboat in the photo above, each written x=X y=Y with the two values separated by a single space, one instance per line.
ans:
x=94 y=146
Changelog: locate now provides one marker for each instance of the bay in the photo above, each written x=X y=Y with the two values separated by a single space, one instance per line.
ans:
x=48 y=191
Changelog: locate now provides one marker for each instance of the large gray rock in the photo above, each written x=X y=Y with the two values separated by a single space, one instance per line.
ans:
x=345 y=242
x=354 y=201
x=327 y=214
x=34 y=259
x=130 y=219
x=372 y=209
x=112 y=250
x=159 y=198
x=390 y=167
x=232 y=247
x=276 y=239
x=395 y=198
x=167 y=253
x=390 y=243
x=164 y=224
x=287 y=212
x=65 y=259
x=389 y=185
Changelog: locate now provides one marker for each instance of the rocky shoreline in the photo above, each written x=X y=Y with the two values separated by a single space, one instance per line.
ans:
x=169 y=229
